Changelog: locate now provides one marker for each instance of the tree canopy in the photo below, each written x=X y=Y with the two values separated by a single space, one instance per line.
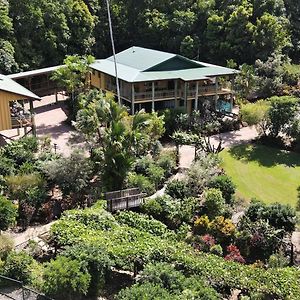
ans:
x=38 y=33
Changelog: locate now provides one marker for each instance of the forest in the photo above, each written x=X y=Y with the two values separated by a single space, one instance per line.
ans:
x=217 y=31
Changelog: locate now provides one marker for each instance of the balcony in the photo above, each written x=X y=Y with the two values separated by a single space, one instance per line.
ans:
x=206 y=91
x=162 y=94
x=20 y=117
x=21 y=122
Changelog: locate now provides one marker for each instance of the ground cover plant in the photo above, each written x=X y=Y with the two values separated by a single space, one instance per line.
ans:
x=130 y=247
x=263 y=172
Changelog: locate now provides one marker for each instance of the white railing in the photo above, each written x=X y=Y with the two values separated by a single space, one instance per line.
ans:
x=168 y=94
x=207 y=90
x=164 y=94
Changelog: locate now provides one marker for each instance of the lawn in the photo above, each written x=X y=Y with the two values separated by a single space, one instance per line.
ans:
x=263 y=172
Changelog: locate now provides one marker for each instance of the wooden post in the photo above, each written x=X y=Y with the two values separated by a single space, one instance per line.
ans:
x=197 y=95
x=32 y=117
x=216 y=92
x=231 y=94
x=153 y=96
x=176 y=93
x=56 y=96
x=132 y=98
x=185 y=94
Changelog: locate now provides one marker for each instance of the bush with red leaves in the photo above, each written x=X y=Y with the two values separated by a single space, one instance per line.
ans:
x=234 y=254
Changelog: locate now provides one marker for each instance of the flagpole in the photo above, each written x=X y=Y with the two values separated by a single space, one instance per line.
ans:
x=114 y=51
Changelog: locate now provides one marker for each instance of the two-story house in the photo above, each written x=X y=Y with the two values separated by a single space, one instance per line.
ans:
x=154 y=80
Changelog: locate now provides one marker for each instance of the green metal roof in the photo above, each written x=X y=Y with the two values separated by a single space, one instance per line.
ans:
x=141 y=58
x=138 y=64
x=9 y=85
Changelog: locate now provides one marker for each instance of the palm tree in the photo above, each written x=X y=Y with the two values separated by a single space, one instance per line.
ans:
x=117 y=136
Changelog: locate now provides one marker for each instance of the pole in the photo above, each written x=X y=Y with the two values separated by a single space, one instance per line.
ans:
x=114 y=51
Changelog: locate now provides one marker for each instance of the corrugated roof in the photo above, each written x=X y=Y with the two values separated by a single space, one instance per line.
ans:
x=33 y=72
x=138 y=64
x=9 y=85
x=141 y=58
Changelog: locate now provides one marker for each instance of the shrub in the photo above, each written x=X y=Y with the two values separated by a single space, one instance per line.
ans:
x=201 y=225
x=258 y=240
x=214 y=203
x=7 y=166
x=29 y=191
x=183 y=231
x=96 y=218
x=167 y=161
x=164 y=275
x=6 y=246
x=65 y=278
x=146 y=291
x=278 y=215
x=18 y=266
x=165 y=209
x=143 y=164
x=172 y=212
x=177 y=189
x=196 y=288
x=71 y=174
x=216 y=249
x=222 y=229
x=152 y=207
x=98 y=264
x=281 y=216
x=21 y=151
x=142 y=182
x=256 y=114
x=170 y=118
x=142 y=222
x=8 y=213
x=156 y=175
x=277 y=260
x=27 y=168
x=178 y=286
x=19 y=184
x=225 y=185
x=234 y=254
x=291 y=74
x=282 y=113
x=202 y=172
x=206 y=242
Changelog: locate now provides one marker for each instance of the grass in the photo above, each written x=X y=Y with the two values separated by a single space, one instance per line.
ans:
x=262 y=172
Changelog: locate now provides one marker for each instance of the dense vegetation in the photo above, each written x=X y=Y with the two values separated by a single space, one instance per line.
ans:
x=215 y=31
x=92 y=241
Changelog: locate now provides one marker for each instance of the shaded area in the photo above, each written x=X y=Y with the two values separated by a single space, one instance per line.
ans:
x=265 y=156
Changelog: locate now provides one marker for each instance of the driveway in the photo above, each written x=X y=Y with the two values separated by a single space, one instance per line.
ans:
x=229 y=139
x=50 y=121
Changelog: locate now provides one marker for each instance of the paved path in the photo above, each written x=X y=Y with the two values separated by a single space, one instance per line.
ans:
x=30 y=233
x=50 y=119
x=296 y=243
x=244 y=135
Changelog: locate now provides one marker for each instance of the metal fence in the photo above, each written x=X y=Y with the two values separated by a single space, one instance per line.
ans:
x=16 y=290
